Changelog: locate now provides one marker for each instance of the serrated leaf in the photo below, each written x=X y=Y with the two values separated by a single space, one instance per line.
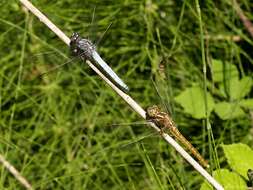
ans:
x=237 y=89
x=229 y=181
x=227 y=110
x=248 y=103
x=223 y=71
x=193 y=102
x=241 y=88
x=239 y=157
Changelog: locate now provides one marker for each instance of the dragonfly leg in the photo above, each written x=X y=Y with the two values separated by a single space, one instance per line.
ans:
x=162 y=130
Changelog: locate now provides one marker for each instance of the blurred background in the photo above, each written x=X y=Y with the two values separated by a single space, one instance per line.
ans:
x=67 y=129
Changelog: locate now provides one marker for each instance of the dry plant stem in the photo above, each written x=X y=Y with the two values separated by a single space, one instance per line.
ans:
x=15 y=173
x=46 y=21
x=234 y=38
x=133 y=104
x=246 y=22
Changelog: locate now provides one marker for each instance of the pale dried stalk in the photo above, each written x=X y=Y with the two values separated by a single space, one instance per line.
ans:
x=245 y=20
x=220 y=37
x=15 y=173
x=133 y=104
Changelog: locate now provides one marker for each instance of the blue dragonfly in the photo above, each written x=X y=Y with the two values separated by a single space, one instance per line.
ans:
x=83 y=48
x=86 y=50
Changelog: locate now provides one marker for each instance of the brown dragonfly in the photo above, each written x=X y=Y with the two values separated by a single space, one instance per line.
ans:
x=164 y=121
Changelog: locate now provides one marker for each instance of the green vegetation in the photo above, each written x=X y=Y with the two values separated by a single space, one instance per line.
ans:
x=68 y=130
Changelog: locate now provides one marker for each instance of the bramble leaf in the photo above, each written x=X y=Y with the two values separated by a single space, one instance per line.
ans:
x=193 y=101
x=226 y=110
x=223 y=71
x=239 y=89
x=239 y=157
x=229 y=180
x=246 y=103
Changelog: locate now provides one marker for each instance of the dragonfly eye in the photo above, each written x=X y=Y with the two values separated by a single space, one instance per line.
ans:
x=74 y=37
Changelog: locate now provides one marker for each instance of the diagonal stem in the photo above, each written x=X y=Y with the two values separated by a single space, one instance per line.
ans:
x=130 y=101
x=15 y=173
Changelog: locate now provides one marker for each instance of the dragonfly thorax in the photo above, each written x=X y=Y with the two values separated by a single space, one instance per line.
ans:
x=152 y=112
x=81 y=47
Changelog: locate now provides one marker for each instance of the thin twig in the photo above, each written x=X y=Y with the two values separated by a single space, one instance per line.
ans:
x=246 y=22
x=15 y=173
x=220 y=37
x=133 y=104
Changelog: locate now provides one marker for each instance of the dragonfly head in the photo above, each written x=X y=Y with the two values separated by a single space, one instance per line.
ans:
x=74 y=39
x=75 y=36
x=81 y=47
x=152 y=112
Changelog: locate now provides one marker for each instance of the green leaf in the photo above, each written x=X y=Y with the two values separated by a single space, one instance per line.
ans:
x=241 y=88
x=248 y=103
x=229 y=180
x=230 y=71
x=222 y=72
x=193 y=102
x=229 y=76
x=217 y=70
x=237 y=89
x=245 y=84
x=239 y=157
x=227 y=110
